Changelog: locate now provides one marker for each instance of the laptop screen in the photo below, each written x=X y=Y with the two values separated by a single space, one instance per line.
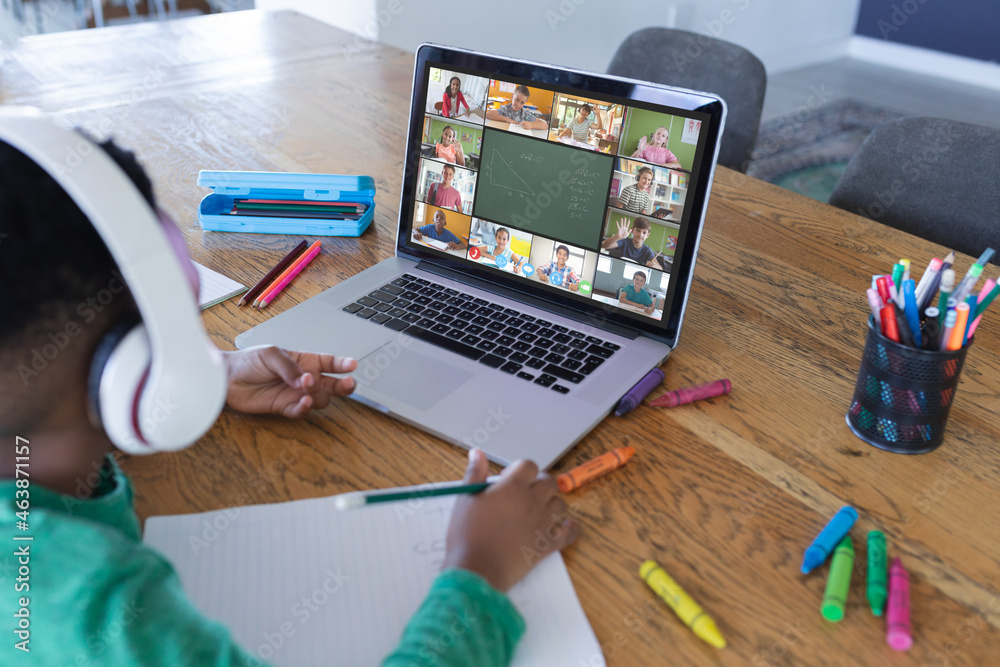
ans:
x=562 y=185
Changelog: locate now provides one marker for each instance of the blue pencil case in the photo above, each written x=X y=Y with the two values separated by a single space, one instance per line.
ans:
x=227 y=186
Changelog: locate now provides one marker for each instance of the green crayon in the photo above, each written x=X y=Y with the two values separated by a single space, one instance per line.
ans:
x=837 y=585
x=877 y=592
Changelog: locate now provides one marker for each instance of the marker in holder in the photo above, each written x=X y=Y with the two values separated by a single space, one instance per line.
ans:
x=903 y=395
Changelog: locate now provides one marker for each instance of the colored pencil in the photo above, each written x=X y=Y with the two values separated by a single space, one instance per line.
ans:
x=281 y=276
x=269 y=278
x=291 y=276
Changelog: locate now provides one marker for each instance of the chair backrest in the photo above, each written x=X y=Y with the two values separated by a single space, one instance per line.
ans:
x=692 y=60
x=938 y=179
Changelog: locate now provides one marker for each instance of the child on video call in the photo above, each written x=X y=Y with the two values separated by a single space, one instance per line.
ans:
x=452 y=98
x=502 y=249
x=566 y=275
x=89 y=566
x=656 y=150
x=634 y=249
x=636 y=295
x=443 y=194
x=448 y=148
x=436 y=230
x=636 y=197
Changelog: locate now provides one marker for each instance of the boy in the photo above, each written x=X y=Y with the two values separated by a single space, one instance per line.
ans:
x=443 y=194
x=633 y=249
x=559 y=272
x=514 y=112
x=98 y=596
x=436 y=230
x=635 y=294
x=636 y=197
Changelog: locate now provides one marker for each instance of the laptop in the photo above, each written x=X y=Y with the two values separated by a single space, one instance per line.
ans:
x=545 y=249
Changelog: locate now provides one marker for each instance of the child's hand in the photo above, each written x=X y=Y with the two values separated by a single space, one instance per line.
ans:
x=501 y=533
x=642 y=143
x=623 y=229
x=267 y=379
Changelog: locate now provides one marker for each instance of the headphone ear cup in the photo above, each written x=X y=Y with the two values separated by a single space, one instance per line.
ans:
x=117 y=376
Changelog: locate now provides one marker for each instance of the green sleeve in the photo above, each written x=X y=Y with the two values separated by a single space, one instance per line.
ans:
x=463 y=621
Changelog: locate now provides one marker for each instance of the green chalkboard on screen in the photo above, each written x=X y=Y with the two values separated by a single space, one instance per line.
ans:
x=543 y=187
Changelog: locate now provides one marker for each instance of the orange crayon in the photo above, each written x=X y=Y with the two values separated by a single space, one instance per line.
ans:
x=603 y=464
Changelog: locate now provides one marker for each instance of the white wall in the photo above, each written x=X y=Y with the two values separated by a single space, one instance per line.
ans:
x=353 y=15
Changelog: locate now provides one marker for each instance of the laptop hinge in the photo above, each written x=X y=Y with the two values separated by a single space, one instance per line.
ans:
x=562 y=311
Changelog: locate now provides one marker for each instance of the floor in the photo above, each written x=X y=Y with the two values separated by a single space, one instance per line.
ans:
x=881 y=86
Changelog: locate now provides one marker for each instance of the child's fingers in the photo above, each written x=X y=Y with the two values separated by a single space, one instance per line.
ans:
x=523 y=472
x=281 y=364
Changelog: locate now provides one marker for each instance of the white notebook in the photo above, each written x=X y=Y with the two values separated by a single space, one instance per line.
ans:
x=214 y=287
x=338 y=587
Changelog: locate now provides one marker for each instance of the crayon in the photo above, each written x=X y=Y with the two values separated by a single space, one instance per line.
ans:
x=686 y=608
x=639 y=391
x=832 y=533
x=839 y=581
x=898 y=631
x=602 y=465
x=876 y=591
x=686 y=395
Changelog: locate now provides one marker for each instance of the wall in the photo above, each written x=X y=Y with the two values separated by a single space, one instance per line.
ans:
x=357 y=16
x=960 y=27
x=582 y=33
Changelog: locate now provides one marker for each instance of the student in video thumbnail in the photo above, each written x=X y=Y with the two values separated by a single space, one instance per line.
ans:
x=515 y=113
x=484 y=230
x=437 y=231
x=570 y=280
x=656 y=151
x=449 y=148
x=636 y=295
x=452 y=98
x=636 y=197
x=442 y=194
x=582 y=123
x=502 y=249
x=634 y=249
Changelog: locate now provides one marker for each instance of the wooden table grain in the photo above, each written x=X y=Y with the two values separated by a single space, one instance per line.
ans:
x=725 y=493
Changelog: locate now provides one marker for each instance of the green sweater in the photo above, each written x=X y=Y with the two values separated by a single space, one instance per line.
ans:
x=96 y=595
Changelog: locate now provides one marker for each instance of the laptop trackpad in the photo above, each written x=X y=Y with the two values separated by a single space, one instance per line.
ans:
x=409 y=376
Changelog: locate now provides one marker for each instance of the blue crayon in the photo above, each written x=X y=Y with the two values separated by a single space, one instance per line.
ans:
x=828 y=538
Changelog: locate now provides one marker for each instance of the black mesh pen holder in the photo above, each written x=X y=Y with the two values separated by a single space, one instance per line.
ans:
x=903 y=394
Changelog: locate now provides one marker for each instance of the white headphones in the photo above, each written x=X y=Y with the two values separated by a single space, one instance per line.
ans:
x=158 y=384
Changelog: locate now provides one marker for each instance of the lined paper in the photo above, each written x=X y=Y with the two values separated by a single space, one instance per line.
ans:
x=302 y=583
x=214 y=287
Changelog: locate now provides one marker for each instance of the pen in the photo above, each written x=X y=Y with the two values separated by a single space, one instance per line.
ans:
x=968 y=282
x=355 y=499
x=949 y=324
x=986 y=297
x=875 y=303
x=970 y=301
x=985 y=258
x=634 y=396
x=912 y=314
x=930 y=273
x=947 y=285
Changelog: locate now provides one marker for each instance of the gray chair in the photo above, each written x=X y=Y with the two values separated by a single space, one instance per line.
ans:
x=692 y=60
x=938 y=179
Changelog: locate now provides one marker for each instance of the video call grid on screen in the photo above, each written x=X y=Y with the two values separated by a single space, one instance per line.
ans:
x=556 y=189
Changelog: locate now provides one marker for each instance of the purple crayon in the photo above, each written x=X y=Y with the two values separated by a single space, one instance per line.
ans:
x=828 y=538
x=672 y=399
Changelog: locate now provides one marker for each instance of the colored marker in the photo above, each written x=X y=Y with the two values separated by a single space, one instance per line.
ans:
x=827 y=539
x=971 y=302
x=839 y=581
x=968 y=282
x=898 y=631
x=986 y=297
x=897 y=280
x=889 y=328
x=958 y=331
x=912 y=313
x=906 y=270
x=683 y=605
x=634 y=396
x=985 y=258
x=686 y=395
x=875 y=303
x=932 y=271
x=591 y=470
x=876 y=591
x=882 y=285
x=949 y=325
x=947 y=285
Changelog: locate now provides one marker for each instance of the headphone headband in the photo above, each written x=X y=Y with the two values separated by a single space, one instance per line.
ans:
x=186 y=370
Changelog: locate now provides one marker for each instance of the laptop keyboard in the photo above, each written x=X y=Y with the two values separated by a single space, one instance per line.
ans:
x=533 y=349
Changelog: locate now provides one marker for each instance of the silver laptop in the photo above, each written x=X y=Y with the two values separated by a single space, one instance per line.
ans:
x=549 y=223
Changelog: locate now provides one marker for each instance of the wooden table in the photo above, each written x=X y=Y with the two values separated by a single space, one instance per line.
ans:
x=725 y=493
